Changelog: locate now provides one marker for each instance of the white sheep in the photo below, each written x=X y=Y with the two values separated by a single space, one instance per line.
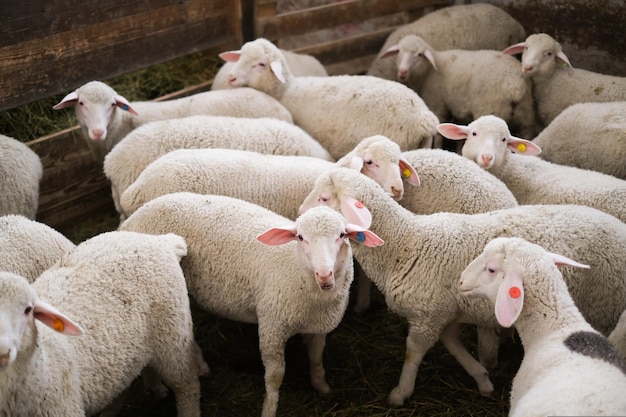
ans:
x=28 y=247
x=341 y=110
x=556 y=84
x=300 y=287
x=300 y=64
x=124 y=295
x=588 y=136
x=462 y=85
x=618 y=335
x=532 y=180
x=568 y=367
x=99 y=110
x=469 y=26
x=417 y=269
x=145 y=144
x=277 y=182
x=21 y=171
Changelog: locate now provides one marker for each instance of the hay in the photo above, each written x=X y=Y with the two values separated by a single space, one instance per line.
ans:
x=31 y=121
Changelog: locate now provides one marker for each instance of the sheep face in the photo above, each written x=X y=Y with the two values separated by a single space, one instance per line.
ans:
x=411 y=52
x=540 y=55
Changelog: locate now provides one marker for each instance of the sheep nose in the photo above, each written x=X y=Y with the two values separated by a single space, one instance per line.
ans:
x=97 y=133
x=4 y=359
x=527 y=68
x=231 y=79
x=397 y=193
x=486 y=159
x=403 y=74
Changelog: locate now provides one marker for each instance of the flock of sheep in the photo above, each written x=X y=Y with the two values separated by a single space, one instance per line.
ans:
x=264 y=199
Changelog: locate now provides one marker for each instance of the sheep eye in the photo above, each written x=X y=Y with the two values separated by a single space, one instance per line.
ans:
x=300 y=238
x=503 y=139
x=474 y=133
x=369 y=162
x=324 y=199
x=81 y=103
x=549 y=53
x=491 y=270
x=342 y=235
x=261 y=64
x=28 y=310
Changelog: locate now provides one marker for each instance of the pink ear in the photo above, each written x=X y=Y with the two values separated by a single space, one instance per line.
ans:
x=67 y=101
x=429 y=55
x=522 y=146
x=560 y=260
x=123 y=104
x=277 y=69
x=56 y=320
x=391 y=51
x=408 y=172
x=452 y=131
x=363 y=236
x=561 y=55
x=356 y=163
x=356 y=212
x=277 y=236
x=510 y=299
x=518 y=48
x=230 y=56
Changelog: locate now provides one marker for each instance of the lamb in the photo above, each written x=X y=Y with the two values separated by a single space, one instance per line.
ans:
x=295 y=288
x=28 y=247
x=135 y=316
x=359 y=106
x=463 y=85
x=278 y=182
x=471 y=27
x=417 y=269
x=103 y=123
x=588 y=136
x=532 y=180
x=300 y=64
x=556 y=84
x=145 y=144
x=21 y=171
x=568 y=367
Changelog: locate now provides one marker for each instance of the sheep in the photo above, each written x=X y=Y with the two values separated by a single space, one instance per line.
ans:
x=28 y=247
x=471 y=27
x=418 y=266
x=124 y=294
x=532 y=180
x=588 y=136
x=359 y=106
x=103 y=124
x=556 y=83
x=296 y=288
x=463 y=85
x=145 y=144
x=21 y=171
x=568 y=367
x=618 y=335
x=278 y=182
x=300 y=64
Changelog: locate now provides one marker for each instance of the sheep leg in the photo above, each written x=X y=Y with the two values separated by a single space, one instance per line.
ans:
x=315 y=344
x=450 y=339
x=417 y=344
x=363 y=295
x=273 y=356
x=488 y=345
x=152 y=383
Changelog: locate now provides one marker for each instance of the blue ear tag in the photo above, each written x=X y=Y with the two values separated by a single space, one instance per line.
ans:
x=360 y=237
x=124 y=107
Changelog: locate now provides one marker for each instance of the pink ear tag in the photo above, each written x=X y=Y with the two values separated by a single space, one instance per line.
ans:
x=58 y=325
x=406 y=173
x=514 y=292
x=358 y=204
x=521 y=147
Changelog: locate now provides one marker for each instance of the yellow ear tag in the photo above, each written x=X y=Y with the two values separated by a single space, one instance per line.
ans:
x=58 y=325
x=406 y=173
x=521 y=147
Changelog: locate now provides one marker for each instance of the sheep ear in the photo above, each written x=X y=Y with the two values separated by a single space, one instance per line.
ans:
x=452 y=131
x=122 y=103
x=277 y=69
x=277 y=236
x=523 y=146
x=560 y=260
x=363 y=236
x=561 y=55
x=356 y=163
x=408 y=172
x=429 y=55
x=356 y=213
x=56 y=320
x=391 y=51
x=230 y=56
x=67 y=101
x=510 y=299
x=518 y=48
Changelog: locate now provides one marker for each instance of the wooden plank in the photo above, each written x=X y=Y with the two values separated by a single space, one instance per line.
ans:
x=42 y=67
x=351 y=11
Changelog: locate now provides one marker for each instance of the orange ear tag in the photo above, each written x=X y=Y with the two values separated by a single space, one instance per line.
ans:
x=514 y=292
x=358 y=204
x=406 y=173
x=521 y=147
x=58 y=325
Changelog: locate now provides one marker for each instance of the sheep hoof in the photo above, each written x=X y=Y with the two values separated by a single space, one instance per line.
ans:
x=396 y=398
x=322 y=387
x=486 y=388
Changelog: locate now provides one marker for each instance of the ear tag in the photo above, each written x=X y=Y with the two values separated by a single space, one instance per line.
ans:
x=514 y=292
x=406 y=173
x=124 y=107
x=360 y=237
x=358 y=204
x=521 y=147
x=58 y=325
